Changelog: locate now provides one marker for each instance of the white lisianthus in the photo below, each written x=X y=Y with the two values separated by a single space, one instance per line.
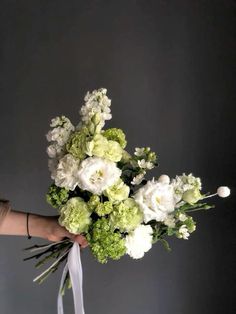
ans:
x=66 y=174
x=139 y=241
x=183 y=232
x=97 y=174
x=156 y=199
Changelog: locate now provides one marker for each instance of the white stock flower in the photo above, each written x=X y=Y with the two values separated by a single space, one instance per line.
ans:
x=62 y=128
x=138 y=179
x=156 y=199
x=96 y=102
x=55 y=151
x=97 y=174
x=184 y=183
x=143 y=164
x=139 y=241
x=139 y=151
x=183 y=232
x=182 y=217
x=52 y=166
x=66 y=174
x=170 y=221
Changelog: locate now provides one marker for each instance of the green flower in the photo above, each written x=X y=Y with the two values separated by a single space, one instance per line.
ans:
x=104 y=242
x=126 y=216
x=103 y=209
x=75 y=215
x=116 y=135
x=192 y=196
x=117 y=192
x=113 y=151
x=190 y=224
x=77 y=143
x=57 y=196
x=93 y=202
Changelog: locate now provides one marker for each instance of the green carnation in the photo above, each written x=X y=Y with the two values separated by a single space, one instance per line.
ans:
x=116 y=135
x=57 y=196
x=98 y=146
x=126 y=216
x=77 y=144
x=103 y=209
x=104 y=242
x=75 y=215
x=117 y=192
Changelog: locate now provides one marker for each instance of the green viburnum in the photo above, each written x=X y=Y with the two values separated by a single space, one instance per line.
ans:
x=126 y=216
x=103 y=209
x=192 y=196
x=77 y=143
x=117 y=192
x=93 y=202
x=57 y=196
x=104 y=242
x=117 y=135
x=75 y=215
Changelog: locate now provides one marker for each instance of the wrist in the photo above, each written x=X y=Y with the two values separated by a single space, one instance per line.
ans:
x=39 y=226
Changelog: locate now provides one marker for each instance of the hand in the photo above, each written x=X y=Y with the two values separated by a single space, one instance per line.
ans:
x=49 y=228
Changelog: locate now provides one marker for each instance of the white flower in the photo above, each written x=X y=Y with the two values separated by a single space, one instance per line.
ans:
x=139 y=241
x=96 y=103
x=66 y=175
x=138 y=179
x=183 y=232
x=184 y=183
x=52 y=166
x=223 y=191
x=97 y=174
x=139 y=151
x=62 y=128
x=55 y=151
x=182 y=217
x=143 y=164
x=156 y=200
x=170 y=221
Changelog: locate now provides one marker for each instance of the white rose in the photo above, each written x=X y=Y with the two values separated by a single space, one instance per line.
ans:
x=139 y=241
x=66 y=175
x=97 y=174
x=156 y=199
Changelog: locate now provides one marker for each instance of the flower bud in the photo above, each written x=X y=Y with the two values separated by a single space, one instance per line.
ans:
x=164 y=179
x=223 y=191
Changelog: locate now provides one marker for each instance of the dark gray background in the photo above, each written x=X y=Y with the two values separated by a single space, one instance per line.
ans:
x=169 y=68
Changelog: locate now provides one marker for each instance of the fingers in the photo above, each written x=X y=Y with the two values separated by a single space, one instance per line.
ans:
x=80 y=239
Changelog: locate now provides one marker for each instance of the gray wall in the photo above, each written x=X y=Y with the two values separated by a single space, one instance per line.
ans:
x=169 y=68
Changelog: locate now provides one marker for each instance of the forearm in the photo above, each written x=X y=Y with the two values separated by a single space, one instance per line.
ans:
x=15 y=223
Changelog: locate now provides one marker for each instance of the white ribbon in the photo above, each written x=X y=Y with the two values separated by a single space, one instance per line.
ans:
x=76 y=276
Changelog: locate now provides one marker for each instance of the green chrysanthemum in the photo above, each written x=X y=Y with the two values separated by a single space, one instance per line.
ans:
x=126 y=216
x=104 y=242
x=75 y=215
x=117 y=192
x=117 y=135
x=77 y=144
x=57 y=196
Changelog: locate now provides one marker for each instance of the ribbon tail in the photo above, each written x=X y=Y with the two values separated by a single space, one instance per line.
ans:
x=59 y=298
x=76 y=277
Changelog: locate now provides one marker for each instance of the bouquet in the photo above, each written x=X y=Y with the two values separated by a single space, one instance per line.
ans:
x=100 y=191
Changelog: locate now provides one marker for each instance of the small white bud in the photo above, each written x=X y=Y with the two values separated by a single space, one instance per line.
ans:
x=164 y=179
x=223 y=191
